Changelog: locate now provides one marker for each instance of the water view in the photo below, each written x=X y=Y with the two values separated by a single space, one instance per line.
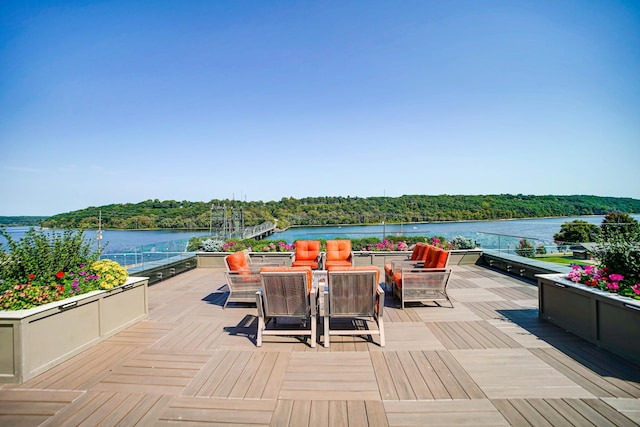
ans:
x=137 y=248
x=541 y=229
x=486 y=233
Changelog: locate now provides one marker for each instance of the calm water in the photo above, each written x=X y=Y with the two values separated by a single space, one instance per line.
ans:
x=484 y=232
x=131 y=240
x=541 y=229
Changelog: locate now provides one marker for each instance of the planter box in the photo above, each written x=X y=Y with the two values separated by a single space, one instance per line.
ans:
x=272 y=257
x=37 y=339
x=380 y=258
x=608 y=320
x=216 y=259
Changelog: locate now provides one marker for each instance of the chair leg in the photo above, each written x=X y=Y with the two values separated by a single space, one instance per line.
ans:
x=381 y=329
x=261 y=326
x=314 y=322
x=449 y=299
x=326 y=331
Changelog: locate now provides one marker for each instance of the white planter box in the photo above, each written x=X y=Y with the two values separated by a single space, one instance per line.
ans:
x=37 y=339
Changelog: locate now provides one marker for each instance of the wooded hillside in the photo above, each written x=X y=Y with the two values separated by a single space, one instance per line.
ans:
x=341 y=210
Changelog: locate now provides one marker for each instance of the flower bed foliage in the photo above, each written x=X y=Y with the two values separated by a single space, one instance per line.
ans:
x=208 y=244
x=601 y=278
x=46 y=267
x=618 y=256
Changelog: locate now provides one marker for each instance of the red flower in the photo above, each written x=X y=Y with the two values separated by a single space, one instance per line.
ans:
x=31 y=276
x=60 y=274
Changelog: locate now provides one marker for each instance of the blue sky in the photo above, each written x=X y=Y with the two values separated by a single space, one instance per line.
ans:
x=122 y=101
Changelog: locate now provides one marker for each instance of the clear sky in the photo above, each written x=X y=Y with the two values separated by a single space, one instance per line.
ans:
x=122 y=101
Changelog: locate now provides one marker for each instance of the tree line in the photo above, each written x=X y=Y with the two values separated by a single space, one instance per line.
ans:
x=21 y=221
x=156 y=214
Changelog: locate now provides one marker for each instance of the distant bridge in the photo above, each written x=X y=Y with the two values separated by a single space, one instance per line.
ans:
x=258 y=232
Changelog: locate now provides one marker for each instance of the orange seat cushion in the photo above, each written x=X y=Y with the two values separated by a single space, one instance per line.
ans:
x=331 y=264
x=306 y=269
x=397 y=278
x=305 y=263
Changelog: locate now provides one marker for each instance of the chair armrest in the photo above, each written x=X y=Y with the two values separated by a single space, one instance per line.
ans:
x=253 y=271
x=380 y=298
x=425 y=277
x=395 y=265
x=324 y=294
x=242 y=278
x=426 y=270
x=313 y=301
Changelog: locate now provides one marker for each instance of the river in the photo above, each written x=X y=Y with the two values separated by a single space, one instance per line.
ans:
x=487 y=233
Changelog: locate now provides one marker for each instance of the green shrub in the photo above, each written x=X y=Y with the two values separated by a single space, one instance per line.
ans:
x=43 y=255
x=620 y=256
x=525 y=248
x=460 y=242
x=616 y=225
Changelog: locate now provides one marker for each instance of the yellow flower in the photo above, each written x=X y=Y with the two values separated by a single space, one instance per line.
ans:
x=110 y=272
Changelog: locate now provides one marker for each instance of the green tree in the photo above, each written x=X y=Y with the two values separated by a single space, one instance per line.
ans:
x=577 y=231
x=619 y=224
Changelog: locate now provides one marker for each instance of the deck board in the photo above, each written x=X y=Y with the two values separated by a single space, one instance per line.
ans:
x=489 y=360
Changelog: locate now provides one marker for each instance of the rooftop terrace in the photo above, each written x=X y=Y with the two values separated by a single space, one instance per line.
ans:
x=488 y=361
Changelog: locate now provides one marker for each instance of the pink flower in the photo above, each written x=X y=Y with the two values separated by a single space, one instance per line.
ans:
x=613 y=286
x=616 y=277
x=636 y=289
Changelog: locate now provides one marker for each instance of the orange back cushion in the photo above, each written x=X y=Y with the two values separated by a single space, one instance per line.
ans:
x=433 y=255
x=442 y=260
x=307 y=249
x=418 y=251
x=338 y=250
x=237 y=261
x=305 y=268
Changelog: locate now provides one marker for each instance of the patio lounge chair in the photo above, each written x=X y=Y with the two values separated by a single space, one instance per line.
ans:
x=241 y=261
x=426 y=281
x=419 y=251
x=286 y=292
x=428 y=256
x=353 y=293
x=243 y=277
x=338 y=254
x=307 y=253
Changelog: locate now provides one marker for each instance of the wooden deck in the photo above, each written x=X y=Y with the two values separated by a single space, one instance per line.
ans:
x=488 y=361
